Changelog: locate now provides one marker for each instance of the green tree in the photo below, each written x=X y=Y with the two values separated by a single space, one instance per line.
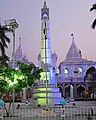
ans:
x=31 y=73
x=3 y=45
x=93 y=8
x=23 y=77
x=9 y=80
x=3 y=82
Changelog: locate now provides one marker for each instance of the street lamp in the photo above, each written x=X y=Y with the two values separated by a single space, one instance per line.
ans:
x=12 y=25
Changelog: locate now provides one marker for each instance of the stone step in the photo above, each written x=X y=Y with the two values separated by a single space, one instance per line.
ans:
x=45 y=91
x=48 y=100
x=37 y=97
x=53 y=95
x=48 y=86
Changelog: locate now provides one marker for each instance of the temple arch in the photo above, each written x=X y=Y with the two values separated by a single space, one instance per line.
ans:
x=80 y=90
x=67 y=91
x=60 y=89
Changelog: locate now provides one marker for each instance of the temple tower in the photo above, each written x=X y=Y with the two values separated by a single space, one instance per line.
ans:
x=45 y=46
x=45 y=35
x=46 y=92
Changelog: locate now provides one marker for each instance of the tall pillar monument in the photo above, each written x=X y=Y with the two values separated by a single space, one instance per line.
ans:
x=46 y=92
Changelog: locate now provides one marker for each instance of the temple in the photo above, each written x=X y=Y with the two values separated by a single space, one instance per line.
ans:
x=72 y=71
x=19 y=56
x=69 y=81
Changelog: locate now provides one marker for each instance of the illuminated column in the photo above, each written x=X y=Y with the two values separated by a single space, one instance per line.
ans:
x=45 y=38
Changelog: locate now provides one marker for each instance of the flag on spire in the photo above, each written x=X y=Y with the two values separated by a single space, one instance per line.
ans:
x=72 y=34
x=72 y=37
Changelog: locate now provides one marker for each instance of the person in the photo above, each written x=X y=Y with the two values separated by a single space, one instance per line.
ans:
x=1 y=107
x=74 y=104
x=18 y=106
x=26 y=103
x=1 y=102
x=63 y=102
x=91 y=111
x=67 y=100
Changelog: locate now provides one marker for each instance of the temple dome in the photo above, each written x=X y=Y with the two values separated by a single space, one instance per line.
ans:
x=74 y=54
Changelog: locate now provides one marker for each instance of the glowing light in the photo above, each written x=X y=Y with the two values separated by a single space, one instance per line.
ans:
x=12 y=83
x=80 y=70
x=43 y=76
x=41 y=95
x=66 y=71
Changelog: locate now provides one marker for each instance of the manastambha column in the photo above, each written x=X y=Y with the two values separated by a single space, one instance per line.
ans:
x=46 y=93
x=45 y=44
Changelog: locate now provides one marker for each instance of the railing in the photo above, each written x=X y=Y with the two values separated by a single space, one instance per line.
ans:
x=52 y=112
x=1 y=113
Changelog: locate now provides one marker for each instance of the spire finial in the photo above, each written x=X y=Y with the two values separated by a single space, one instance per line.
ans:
x=20 y=40
x=72 y=37
x=44 y=6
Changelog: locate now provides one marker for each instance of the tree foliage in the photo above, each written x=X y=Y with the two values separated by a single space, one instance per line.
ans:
x=3 y=82
x=93 y=8
x=31 y=72
x=23 y=77
x=9 y=77
x=3 y=45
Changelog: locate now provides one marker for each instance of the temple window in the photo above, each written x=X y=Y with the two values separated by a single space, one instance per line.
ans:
x=66 y=72
x=77 y=70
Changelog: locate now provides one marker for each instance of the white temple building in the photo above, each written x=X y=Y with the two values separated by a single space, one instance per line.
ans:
x=72 y=71
x=19 y=56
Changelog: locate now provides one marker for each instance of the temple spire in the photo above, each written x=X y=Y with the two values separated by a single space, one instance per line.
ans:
x=19 y=53
x=73 y=52
x=45 y=12
x=72 y=38
x=44 y=6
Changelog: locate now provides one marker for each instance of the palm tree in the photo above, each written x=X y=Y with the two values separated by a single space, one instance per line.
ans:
x=92 y=9
x=3 y=45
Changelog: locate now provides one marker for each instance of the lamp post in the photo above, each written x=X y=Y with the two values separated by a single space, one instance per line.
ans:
x=12 y=25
